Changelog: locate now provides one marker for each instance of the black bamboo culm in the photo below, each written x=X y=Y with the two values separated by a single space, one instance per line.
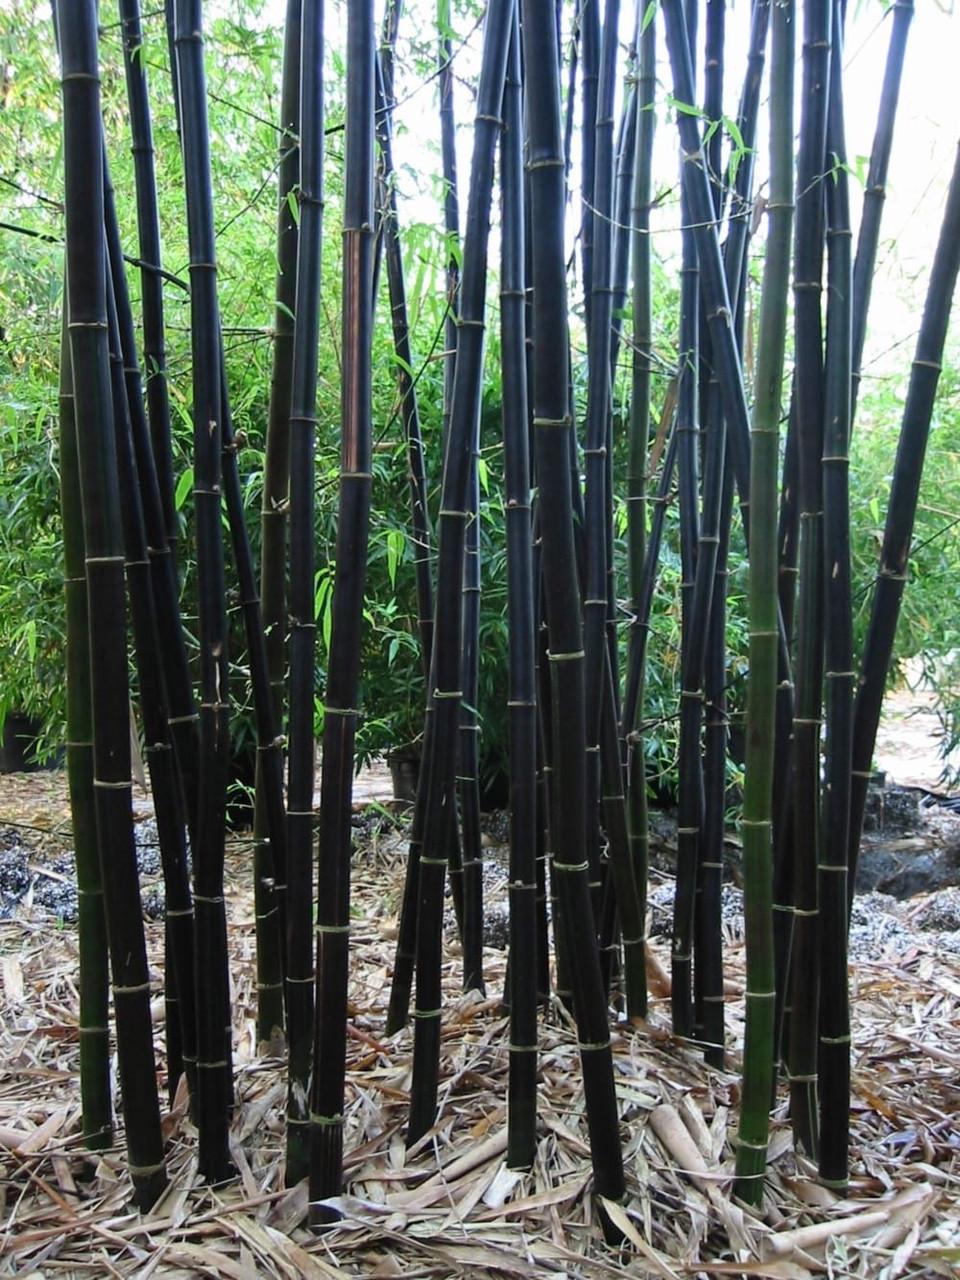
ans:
x=343 y=668
x=153 y=453
x=269 y=879
x=639 y=430
x=214 y=1048
x=690 y=797
x=902 y=509
x=571 y=98
x=96 y=1108
x=758 y=1056
x=590 y=38
x=446 y=694
x=595 y=452
x=808 y=672
x=552 y=430
x=522 y=701
x=833 y=1065
x=103 y=542
x=138 y=491
x=406 y=388
x=306 y=333
x=151 y=283
x=875 y=189
x=451 y=224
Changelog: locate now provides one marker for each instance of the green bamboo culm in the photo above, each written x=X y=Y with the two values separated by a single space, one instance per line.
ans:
x=343 y=668
x=96 y=1107
x=833 y=1063
x=214 y=1044
x=808 y=346
x=553 y=430
x=522 y=702
x=446 y=693
x=758 y=1054
x=901 y=510
x=270 y=897
x=303 y=407
x=104 y=560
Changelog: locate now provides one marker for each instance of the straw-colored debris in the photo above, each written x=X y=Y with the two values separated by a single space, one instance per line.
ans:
x=451 y=1208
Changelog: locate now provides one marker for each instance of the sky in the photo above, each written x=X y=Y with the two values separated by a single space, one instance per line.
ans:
x=928 y=127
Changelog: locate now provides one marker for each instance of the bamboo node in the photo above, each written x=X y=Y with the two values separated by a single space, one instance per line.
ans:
x=112 y=786
x=569 y=866
x=425 y=1013
x=212 y=1066
x=340 y=711
x=574 y=656
x=447 y=693
x=593 y=1046
x=760 y=995
x=553 y=422
x=521 y=1048
x=332 y=1122
x=131 y=991
x=143 y=1170
x=834 y=1040
x=332 y=928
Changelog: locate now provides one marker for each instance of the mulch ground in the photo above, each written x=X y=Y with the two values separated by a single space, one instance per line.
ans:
x=450 y=1207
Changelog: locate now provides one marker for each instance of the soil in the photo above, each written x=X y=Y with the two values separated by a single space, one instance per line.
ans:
x=63 y=1213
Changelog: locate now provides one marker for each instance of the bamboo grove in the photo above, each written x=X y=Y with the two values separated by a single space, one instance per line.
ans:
x=752 y=448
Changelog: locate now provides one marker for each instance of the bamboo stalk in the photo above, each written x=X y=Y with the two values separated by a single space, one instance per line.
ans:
x=833 y=1063
x=521 y=695
x=96 y=1108
x=131 y=428
x=761 y=697
x=269 y=881
x=590 y=54
x=103 y=542
x=301 y=755
x=690 y=798
x=151 y=283
x=214 y=1050
x=875 y=189
x=446 y=693
x=808 y=268
x=901 y=510
x=639 y=430
x=551 y=415
x=343 y=670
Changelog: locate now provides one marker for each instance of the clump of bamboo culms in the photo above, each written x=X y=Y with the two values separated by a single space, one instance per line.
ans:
x=758 y=1055
x=269 y=878
x=214 y=1049
x=104 y=561
x=138 y=494
x=343 y=668
x=902 y=509
x=299 y=869
x=833 y=1064
x=96 y=1109
x=875 y=188
x=808 y=671
x=522 y=701
x=446 y=693
x=552 y=430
